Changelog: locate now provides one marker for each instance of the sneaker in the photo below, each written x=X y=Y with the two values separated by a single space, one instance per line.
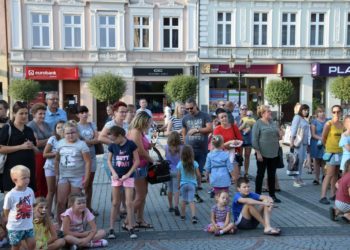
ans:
x=332 y=198
x=316 y=182
x=177 y=212
x=182 y=217
x=197 y=198
x=276 y=200
x=132 y=234
x=171 y=209
x=73 y=247
x=324 y=201
x=194 y=220
x=111 y=234
x=99 y=243
x=297 y=185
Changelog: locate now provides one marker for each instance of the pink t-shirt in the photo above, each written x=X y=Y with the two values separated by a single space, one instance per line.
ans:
x=146 y=144
x=78 y=223
x=343 y=189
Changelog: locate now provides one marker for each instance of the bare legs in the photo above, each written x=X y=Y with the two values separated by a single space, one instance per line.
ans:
x=331 y=177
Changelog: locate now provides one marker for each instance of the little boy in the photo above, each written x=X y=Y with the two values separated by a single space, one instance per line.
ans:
x=245 y=211
x=18 y=209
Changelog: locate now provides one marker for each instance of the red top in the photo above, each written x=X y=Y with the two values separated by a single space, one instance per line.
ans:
x=343 y=189
x=231 y=133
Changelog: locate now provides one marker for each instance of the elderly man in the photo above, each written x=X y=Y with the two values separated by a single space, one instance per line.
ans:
x=53 y=113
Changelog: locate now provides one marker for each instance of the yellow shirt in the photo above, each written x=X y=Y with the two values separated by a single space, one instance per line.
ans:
x=333 y=137
x=42 y=235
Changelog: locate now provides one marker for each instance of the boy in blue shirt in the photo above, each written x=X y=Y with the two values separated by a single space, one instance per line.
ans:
x=249 y=209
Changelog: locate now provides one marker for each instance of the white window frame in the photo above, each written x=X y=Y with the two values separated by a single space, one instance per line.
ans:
x=141 y=27
x=171 y=12
x=73 y=11
x=224 y=22
x=107 y=26
x=138 y=12
x=72 y=27
x=260 y=24
x=347 y=30
x=317 y=23
x=289 y=24
x=170 y=27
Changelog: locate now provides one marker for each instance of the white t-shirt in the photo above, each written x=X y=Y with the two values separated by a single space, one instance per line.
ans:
x=50 y=162
x=20 y=204
x=113 y=123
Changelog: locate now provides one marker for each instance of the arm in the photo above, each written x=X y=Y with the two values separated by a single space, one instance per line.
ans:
x=87 y=160
x=53 y=233
x=255 y=141
x=228 y=219
x=168 y=128
x=11 y=149
x=57 y=162
x=109 y=162
x=325 y=132
x=103 y=136
x=134 y=165
x=313 y=133
x=250 y=201
x=212 y=220
x=349 y=191
x=41 y=143
x=207 y=129
x=67 y=231
x=48 y=151
x=178 y=176
x=198 y=174
x=6 y=214
x=90 y=234
x=94 y=140
x=135 y=136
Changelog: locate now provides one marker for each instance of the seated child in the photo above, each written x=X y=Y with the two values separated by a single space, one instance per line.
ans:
x=249 y=209
x=342 y=196
x=74 y=225
x=221 y=216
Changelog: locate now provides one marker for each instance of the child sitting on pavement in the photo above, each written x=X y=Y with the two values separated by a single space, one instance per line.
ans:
x=342 y=196
x=245 y=211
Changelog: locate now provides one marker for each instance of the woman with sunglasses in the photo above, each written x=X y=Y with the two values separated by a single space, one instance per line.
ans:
x=331 y=135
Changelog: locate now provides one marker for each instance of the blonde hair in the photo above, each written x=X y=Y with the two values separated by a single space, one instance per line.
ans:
x=176 y=111
x=19 y=169
x=296 y=108
x=46 y=219
x=70 y=124
x=217 y=141
x=140 y=121
x=262 y=109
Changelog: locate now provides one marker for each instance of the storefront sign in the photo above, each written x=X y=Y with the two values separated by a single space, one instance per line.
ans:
x=157 y=71
x=52 y=73
x=254 y=69
x=330 y=69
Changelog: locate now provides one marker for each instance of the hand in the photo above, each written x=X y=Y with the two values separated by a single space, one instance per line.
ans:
x=83 y=242
x=259 y=157
x=215 y=228
x=115 y=177
x=124 y=177
x=27 y=145
x=192 y=131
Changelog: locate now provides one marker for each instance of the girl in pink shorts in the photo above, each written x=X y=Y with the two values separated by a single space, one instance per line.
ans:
x=123 y=159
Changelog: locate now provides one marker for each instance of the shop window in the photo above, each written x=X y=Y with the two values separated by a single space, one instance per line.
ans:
x=153 y=92
x=40 y=30
x=318 y=92
x=107 y=34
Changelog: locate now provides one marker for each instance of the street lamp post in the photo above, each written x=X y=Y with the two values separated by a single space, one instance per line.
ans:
x=231 y=63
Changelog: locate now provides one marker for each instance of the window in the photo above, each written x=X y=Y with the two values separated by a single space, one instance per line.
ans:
x=40 y=30
x=348 y=31
x=317 y=29
x=224 y=28
x=72 y=31
x=171 y=32
x=288 y=29
x=141 y=32
x=107 y=34
x=260 y=28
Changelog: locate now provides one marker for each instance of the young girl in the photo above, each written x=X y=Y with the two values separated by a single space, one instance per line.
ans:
x=72 y=165
x=342 y=197
x=187 y=176
x=44 y=230
x=219 y=166
x=50 y=154
x=172 y=154
x=123 y=159
x=74 y=223
x=221 y=216
x=345 y=143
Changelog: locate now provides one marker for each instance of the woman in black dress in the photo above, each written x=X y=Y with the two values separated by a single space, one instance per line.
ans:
x=21 y=146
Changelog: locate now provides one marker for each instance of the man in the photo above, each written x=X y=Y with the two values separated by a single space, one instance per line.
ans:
x=143 y=107
x=229 y=107
x=53 y=112
x=196 y=126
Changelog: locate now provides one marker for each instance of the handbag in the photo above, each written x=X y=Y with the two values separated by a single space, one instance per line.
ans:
x=158 y=171
x=327 y=156
x=299 y=137
x=280 y=158
x=293 y=164
x=3 y=157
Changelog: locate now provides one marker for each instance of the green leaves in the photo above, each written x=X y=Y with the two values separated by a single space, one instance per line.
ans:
x=340 y=88
x=278 y=92
x=107 y=87
x=23 y=89
x=181 y=87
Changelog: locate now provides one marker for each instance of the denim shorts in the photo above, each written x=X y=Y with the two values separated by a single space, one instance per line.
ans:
x=187 y=192
x=140 y=173
x=173 y=183
x=76 y=182
x=16 y=236
x=335 y=160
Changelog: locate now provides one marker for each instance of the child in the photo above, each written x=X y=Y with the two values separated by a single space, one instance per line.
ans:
x=50 y=154
x=247 y=123
x=345 y=143
x=221 y=216
x=45 y=231
x=187 y=176
x=218 y=166
x=74 y=223
x=172 y=154
x=245 y=212
x=123 y=159
x=72 y=165
x=342 y=196
x=18 y=209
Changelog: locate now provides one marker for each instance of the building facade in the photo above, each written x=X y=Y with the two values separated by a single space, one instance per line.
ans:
x=63 y=43
x=306 y=42
x=4 y=74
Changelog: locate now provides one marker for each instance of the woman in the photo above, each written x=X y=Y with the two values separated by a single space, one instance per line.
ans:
x=109 y=111
x=316 y=146
x=137 y=133
x=330 y=138
x=265 y=141
x=88 y=133
x=175 y=123
x=232 y=137
x=300 y=123
x=4 y=107
x=42 y=133
x=130 y=114
x=21 y=147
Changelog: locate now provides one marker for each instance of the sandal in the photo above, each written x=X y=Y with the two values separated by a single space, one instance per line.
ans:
x=125 y=228
x=144 y=225
x=273 y=232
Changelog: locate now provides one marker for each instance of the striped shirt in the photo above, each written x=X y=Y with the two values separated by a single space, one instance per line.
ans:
x=177 y=123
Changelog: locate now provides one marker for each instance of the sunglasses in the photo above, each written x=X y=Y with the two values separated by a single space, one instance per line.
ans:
x=243 y=109
x=190 y=108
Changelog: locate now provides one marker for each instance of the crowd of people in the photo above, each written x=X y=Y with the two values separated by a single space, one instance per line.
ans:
x=51 y=162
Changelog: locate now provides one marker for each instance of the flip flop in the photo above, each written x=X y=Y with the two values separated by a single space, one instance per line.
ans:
x=126 y=229
x=273 y=232
x=144 y=225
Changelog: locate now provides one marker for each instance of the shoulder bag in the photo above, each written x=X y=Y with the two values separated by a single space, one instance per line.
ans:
x=3 y=157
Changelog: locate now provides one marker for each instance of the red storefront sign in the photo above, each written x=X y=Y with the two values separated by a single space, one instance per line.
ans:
x=52 y=73
x=254 y=69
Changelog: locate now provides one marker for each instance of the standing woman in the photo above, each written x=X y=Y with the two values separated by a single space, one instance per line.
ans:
x=21 y=147
x=4 y=107
x=88 y=133
x=137 y=133
x=300 y=122
x=175 y=123
x=330 y=137
x=316 y=145
x=265 y=141
x=42 y=133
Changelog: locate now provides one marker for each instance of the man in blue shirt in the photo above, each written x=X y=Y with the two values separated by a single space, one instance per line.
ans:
x=53 y=113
